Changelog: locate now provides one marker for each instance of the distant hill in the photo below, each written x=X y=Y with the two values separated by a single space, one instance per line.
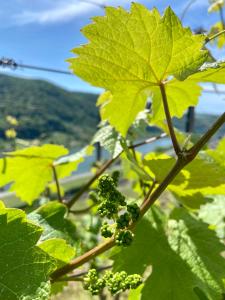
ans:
x=47 y=112
x=51 y=114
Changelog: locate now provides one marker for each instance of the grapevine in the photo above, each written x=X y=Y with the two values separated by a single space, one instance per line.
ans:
x=74 y=233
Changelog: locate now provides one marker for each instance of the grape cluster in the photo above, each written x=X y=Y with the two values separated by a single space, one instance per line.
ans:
x=93 y=283
x=134 y=211
x=123 y=221
x=124 y=238
x=111 y=202
x=106 y=230
x=111 y=199
x=115 y=282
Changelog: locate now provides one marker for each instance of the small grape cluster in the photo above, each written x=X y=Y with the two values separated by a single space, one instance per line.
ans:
x=93 y=283
x=106 y=230
x=115 y=282
x=111 y=199
x=124 y=238
x=111 y=202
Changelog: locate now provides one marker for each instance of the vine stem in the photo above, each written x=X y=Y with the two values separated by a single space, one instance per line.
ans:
x=182 y=161
x=82 y=211
x=57 y=184
x=100 y=171
x=176 y=146
x=78 y=275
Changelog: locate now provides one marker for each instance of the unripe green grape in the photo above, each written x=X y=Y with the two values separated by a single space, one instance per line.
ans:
x=106 y=230
x=123 y=221
x=134 y=211
x=124 y=238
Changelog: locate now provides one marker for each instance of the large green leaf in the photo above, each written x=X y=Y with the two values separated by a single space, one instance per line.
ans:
x=52 y=218
x=59 y=249
x=130 y=52
x=25 y=268
x=182 y=255
x=219 y=153
x=192 y=179
x=31 y=169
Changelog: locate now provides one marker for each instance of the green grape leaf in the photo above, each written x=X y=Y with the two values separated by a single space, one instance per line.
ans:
x=31 y=169
x=25 y=268
x=51 y=217
x=214 y=214
x=191 y=179
x=77 y=158
x=108 y=139
x=130 y=52
x=180 y=95
x=209 y=72
x=182 y=253
x=219 y=153
x=59 y=249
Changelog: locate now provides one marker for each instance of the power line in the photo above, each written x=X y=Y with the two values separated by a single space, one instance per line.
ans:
x=13 y=65
x=101 y=5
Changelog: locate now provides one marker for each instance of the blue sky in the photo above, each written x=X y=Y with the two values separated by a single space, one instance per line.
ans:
x=42 y=32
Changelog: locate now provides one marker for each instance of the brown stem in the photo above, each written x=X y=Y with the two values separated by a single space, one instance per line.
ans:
x=82 y=273
x=169 y=120
x=147 y=203
x=82 y=211
x=206 y=137
x=79 y=261
x=57 y=183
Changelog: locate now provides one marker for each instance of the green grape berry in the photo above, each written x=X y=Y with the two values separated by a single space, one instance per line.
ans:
x=124 y=238
x=106 y=231
x=134 y=211
x=123 y=221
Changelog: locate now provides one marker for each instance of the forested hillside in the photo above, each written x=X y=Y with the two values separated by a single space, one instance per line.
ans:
x=46 y=111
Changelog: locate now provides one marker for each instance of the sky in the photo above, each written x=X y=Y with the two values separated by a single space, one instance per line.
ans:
x=42 y=33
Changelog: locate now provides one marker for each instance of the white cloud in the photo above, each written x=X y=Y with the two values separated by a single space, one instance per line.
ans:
x=63 y=11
